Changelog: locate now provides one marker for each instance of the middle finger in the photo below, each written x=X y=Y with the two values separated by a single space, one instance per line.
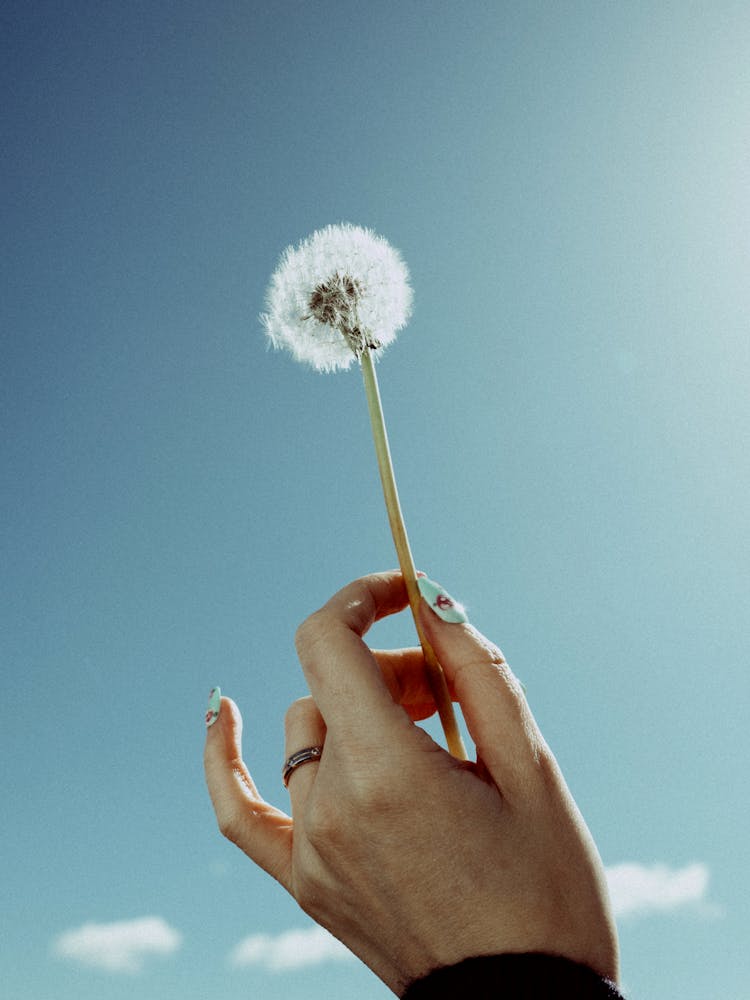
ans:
x=341 y=671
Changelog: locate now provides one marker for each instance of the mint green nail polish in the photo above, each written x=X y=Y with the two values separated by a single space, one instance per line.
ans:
x=441 y=602
x=214 y=706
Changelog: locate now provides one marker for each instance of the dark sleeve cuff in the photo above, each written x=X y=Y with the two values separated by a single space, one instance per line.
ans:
x=514 y=977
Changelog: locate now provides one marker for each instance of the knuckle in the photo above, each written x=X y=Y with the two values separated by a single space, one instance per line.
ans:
x=486 y=647
x=300 y=711
x=546 y=765
x=291 y=715
x=513 y=689
x=371 y=789
x=364 y=796
x=312 y=629
x=377 y=804
x=322 y=822
x=539 y=774
x=315 y=638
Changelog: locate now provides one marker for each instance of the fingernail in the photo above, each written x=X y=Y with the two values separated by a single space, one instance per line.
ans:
x=441 y=602
x=214 y=706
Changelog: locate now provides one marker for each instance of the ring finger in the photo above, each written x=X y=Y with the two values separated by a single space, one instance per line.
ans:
x=305 y=729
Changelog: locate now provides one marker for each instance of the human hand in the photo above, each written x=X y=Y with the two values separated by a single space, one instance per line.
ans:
x=412 y=858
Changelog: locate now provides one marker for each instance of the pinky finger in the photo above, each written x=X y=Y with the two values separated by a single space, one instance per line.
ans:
x=261 y=830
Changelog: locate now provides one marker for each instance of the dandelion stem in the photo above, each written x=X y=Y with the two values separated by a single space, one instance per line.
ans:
x=435 y=674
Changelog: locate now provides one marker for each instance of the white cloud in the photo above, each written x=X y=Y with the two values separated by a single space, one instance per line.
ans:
x=637 y=890
x=289 y=950
x=118 y=947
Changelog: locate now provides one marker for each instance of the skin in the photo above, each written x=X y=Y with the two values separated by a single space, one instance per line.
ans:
x=413 y=859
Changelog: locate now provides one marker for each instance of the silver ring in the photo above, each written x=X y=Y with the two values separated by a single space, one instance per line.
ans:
x=300 y=757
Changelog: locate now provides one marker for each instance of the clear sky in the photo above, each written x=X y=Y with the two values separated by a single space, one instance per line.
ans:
x=569 y=184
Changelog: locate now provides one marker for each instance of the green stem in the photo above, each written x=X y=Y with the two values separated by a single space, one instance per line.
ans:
x=435 y=674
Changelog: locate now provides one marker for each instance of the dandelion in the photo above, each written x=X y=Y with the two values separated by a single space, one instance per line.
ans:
x=342 y=290
x=341 y=296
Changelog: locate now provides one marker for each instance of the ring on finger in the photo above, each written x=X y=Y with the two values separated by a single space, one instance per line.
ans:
x=306 y=756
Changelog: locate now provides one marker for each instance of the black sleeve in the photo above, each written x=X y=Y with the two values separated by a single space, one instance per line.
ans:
x=513 y=977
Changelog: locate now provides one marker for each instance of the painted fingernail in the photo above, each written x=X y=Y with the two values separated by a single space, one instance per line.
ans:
x=214 y=706
x=441 y=602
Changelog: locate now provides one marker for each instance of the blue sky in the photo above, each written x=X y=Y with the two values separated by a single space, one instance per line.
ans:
x=568 y=411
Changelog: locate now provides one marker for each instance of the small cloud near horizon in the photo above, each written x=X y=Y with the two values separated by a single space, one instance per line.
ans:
x=638 y=890
x=121 y=946
x=291 y=949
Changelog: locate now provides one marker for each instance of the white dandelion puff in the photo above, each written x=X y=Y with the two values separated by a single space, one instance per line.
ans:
x=342 y=295
x=341 y=290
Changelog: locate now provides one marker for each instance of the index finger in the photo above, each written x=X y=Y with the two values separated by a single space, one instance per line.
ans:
x=343 y=675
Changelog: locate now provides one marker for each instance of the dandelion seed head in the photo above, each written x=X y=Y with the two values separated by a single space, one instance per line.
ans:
x=341 y=290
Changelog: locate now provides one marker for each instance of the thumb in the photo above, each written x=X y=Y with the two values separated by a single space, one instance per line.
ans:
x=492 y=701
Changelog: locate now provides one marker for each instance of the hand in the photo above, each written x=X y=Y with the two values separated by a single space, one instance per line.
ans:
x=412 y=858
